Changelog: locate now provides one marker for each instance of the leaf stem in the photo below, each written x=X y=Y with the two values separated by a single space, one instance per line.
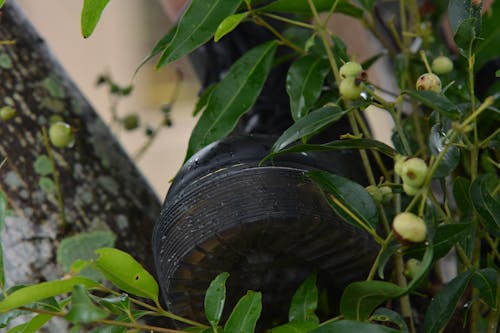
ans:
x=287 y=20
x=283 y=40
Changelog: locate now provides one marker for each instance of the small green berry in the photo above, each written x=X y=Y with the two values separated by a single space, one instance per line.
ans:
x=398 y=164
x=131 y=121
x=386 y=194
x=61 y=135
x=429 y=82
x=375 y=193
x=350 y=69
x=409 y=228
x=7 y=113
x=414 y=171
x=412 y=267
x=350 y=88
x=442 y=65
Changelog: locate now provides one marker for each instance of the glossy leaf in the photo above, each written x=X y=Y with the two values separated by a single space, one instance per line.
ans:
x=305 y=302
x=461 y=10
x=386 y=315
x=351 y=326
x=126 y=273
x=348 y=198
x=34 y=325
x=466 y=36
x=444 y=239
x=159 y=47
x=386 y=256
x=215 y=298
x=295 y=327
x=436 y=102
x=461 y=194
x=228 y=24
x=82 y=310
x=443 y=305
x=196 y=26
x=245 y=314
x=304 y=82
x=202 y=102
x=310 y=124
x=82 y=247
x=485 y=203
x=302 y=7
x=3 y=210
x=37 y=292
x=360 y=299
x=486 y=281
x=338 y=145
x=116 y=304
x=91 y=13
x=233 y=96
x=437 y=143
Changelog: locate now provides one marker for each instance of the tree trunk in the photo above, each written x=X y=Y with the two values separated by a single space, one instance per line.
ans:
x=100 y=187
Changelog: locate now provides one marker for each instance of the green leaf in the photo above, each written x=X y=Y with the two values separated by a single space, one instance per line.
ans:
x=461 y=10
x=386 y=315
x=486 y=281
x=338 y=145
x=159 y=47
x=82 y=310
x=116 y=304
x=33 y=325
x=461 y=187
x=215 y=298
x=304 y=82
x=91 y=13
x=444 y=303
x=203 y=100
x=2 y=2
x=497 y=74
x=43 y=167
x=233 y=96
x=6 y=317
x=386 y=256
x=245 y=314
x=361 y=298
x=350 y=326
x=424 y=267
x=309 y=124
x=302 y=7
x=466 y=36
x=126 y=273
x=123 y=318
x=229 y=24
x=436 y=102
x=37 y=292
x=444 y=239
x=348 y=199
x=196 y=26
x=47 y=184
x=437 y=143
x=82 y=247
x=3 y=209
x=295 y=327
x=305 y=302
x=485 y=203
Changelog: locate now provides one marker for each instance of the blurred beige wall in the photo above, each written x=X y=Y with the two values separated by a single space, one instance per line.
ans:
x=127 y=31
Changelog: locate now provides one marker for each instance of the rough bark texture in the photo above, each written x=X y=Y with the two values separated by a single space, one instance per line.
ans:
x=100 y=185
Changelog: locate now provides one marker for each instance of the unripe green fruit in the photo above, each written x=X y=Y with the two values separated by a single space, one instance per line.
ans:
x=349 y=88
x=61 y=135
x=410 y=190
x=375 y=193
x=130 y=121
x=442 y=65
x=414 y=171
x=398 y=164
x=350 y=69
x=409 y=228
x=430 y=82
x=7 y=113
x=386 y=194
x=412 y=267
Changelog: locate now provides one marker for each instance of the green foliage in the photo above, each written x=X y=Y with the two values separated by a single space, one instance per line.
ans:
x=126 y=273
x=245 y=314
x=305 y=302
x=233 y=96
x=215 y=298
x=228 y=24
x=91 y=13
x=302 y=7
x=3 y=210
x=83 y=310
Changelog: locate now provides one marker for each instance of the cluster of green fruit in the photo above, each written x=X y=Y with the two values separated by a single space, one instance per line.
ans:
x=351 y=75
x=432 y=82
